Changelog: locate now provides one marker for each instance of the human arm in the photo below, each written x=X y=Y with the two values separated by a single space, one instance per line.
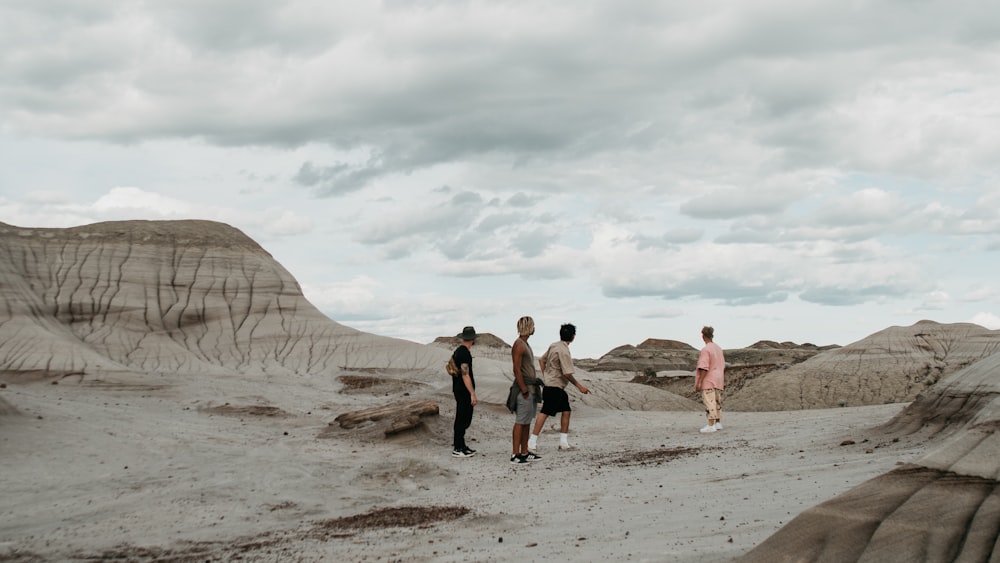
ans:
x=701 y=369
x=517 y=355
x=569 y=377
x=566 y=369
x=467 y=380
x=699 y=378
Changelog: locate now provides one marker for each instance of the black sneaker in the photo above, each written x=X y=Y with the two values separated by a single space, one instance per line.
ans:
x=518 y=459
x=459 y=453
x=532 y=456
x=468 y=451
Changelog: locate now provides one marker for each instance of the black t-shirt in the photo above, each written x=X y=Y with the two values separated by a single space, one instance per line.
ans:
x=462 y=356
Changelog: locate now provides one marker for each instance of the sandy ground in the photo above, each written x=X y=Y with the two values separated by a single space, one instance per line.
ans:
x=252 y=470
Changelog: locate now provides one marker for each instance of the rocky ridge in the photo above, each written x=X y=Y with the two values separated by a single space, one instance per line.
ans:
x=943 y=507
x=893 y=365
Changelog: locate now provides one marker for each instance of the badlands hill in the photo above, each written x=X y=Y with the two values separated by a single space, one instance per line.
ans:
x=168 y=394
x=894 y=365
x=167 y=297
x=944 y=506
x=160 y=298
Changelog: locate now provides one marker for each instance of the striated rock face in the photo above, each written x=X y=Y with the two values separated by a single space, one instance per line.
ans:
x=891 y=366
x=672 y=356
x=944 y=507
x=166 y=297
x=649 y=355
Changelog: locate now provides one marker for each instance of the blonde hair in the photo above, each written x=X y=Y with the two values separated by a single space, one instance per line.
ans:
x=525 y=325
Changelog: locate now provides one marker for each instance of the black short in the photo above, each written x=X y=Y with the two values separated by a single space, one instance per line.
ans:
x=554 y=400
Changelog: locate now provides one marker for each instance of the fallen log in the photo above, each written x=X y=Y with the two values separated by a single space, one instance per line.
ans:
x=401 y=416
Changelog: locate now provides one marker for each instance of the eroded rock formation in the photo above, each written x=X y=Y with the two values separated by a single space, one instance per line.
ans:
x=891 y=366
x=165 y=297
x=944 y=507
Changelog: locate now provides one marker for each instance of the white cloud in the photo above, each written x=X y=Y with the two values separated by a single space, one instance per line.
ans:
x=602 y=157
x=988 y=320
x=133 y=202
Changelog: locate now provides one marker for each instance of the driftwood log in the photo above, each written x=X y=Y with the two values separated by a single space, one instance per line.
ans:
x=402 y=416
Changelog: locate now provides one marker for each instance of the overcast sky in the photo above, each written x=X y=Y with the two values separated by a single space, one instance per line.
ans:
x=782 y=170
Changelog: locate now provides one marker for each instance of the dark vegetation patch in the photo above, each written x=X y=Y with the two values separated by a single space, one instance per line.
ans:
x=20 y=556
x=375 y=383
x=649 y=457
x=394 y=517
x=188 y=553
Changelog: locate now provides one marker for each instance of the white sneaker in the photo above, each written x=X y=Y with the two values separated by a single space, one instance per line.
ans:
x=718 y=426
x=566 y=447
x=707 y=428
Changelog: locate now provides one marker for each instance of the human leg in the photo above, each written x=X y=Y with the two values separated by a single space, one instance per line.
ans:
x=710 y=398
x=539 y=424
x=564 y=432
x=564 y=422
x=523 y=418
x=463 y=419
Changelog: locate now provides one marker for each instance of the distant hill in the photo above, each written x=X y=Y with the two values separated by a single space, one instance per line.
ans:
x=162 y=297
x=661 y=355
x=487 y=346
x=890 y=366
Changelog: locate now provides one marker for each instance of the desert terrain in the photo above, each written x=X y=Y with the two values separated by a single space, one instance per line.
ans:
x=168 y=394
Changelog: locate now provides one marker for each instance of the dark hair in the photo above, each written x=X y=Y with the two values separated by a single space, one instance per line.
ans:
x=567 y=332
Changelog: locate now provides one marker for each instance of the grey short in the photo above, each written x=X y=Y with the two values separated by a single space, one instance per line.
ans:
x=526 y=409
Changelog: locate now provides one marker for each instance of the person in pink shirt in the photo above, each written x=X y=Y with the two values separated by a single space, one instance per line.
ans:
x=709 y=379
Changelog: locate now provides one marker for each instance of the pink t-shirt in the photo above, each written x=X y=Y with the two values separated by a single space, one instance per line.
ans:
x=713 y=361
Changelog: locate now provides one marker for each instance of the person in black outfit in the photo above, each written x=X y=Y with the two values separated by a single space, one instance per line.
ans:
x=463 y=386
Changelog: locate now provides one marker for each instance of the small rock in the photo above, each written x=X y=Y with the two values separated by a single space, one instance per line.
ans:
x=847 y=443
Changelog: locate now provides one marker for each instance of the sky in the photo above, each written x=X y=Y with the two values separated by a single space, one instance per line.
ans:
x=781 y=170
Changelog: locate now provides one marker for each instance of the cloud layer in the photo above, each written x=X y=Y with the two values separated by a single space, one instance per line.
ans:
x=755 y=164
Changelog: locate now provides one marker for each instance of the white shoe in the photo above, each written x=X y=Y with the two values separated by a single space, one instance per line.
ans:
x=566 y=447
x=707 y=428
x=718 y=426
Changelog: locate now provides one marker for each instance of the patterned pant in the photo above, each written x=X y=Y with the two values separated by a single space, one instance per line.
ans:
x=713 y=403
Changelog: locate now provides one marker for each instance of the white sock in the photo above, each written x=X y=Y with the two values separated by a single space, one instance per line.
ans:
x=563 y=439
x=532 y=441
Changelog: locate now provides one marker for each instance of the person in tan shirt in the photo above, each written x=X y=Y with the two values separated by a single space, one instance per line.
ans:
x=557 y=372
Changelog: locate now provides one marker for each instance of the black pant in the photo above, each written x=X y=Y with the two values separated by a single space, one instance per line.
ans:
x=463 y=418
